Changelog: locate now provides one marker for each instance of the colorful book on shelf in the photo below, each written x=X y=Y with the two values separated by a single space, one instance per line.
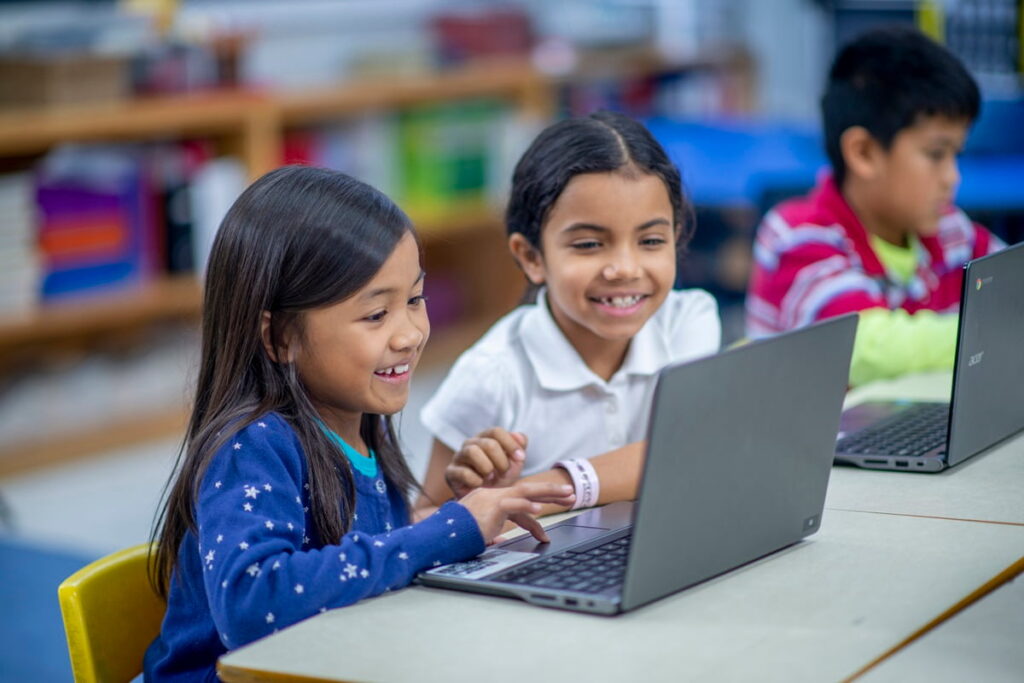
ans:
x=363 y=146
x=19 y=259
x=445 y=153
x=96 y=227
x=213 y=188
x=299 y=147
x=172 y=168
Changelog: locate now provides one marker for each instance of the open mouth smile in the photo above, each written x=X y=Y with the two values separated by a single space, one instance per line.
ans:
x=395 y=373
x=620 y=305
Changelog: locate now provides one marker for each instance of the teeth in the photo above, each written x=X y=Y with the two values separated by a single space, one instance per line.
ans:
x=621 y=301
x=395 y=370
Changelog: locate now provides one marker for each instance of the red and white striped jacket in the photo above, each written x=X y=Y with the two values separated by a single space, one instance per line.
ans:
x=813 y=260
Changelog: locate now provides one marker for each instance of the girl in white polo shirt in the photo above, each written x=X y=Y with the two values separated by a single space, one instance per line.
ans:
x=596 y=220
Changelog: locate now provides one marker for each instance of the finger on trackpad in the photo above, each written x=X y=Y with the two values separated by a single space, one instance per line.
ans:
x=562 y=536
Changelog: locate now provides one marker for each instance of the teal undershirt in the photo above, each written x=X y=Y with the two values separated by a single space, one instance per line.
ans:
x=365 y=465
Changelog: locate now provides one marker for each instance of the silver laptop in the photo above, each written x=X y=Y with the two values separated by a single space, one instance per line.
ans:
x=987 y=401
x=739 y=450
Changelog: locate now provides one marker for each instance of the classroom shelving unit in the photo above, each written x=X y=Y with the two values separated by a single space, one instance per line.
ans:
x=251 y=126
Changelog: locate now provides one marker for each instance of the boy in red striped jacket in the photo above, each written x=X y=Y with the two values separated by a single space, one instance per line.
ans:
x=879 y=236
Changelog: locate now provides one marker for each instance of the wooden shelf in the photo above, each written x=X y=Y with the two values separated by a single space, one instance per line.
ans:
x=506 y=78
x=252 y=122
x=165 y=299
x=54 y=448
x=172 y=298
x=631 y=62
x=36 y=130
x=636 y=62
x=242 y=114
x=441 y=227
x=251 y=126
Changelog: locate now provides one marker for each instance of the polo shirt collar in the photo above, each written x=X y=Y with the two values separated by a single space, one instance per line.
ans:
x=832 y=203
x=558 y=365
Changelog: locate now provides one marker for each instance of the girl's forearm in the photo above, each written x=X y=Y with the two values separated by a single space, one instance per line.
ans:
x=618 y=472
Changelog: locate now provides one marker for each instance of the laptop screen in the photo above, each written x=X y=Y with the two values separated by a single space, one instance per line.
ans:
x=988 y=381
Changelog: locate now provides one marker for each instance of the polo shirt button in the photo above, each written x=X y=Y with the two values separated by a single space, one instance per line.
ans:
x=611 y=407
x=380 y=486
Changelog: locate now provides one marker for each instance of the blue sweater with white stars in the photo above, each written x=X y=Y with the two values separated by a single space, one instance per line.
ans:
x=256 y=566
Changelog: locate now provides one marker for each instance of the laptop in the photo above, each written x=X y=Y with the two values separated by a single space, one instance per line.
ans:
x=987 y=401
x=739 y=451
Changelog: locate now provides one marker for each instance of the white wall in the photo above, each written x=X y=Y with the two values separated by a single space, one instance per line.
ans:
x=792 y=47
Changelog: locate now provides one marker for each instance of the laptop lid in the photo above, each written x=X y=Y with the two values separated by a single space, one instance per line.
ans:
x=988 y=378
x=739 y=453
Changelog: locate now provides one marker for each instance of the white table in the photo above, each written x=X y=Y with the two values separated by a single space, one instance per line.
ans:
x=988 y=487
x=895 y=552
x=818 y=611
x=981 y=643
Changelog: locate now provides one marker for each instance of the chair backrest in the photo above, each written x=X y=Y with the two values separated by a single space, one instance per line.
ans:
x=111 y=615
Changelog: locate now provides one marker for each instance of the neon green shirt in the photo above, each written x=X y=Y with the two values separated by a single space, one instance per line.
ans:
x=891 y=343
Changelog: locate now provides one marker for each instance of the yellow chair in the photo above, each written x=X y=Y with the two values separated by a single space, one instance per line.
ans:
x=111 y=615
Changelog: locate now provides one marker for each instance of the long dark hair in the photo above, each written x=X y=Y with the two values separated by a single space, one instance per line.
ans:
x=599 y=143
x=297 y=239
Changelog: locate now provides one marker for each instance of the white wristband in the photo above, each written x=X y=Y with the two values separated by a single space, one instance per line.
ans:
x=584 y=480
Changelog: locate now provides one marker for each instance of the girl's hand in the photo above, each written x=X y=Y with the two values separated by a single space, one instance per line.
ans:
x=493 y=458
x=490 y=507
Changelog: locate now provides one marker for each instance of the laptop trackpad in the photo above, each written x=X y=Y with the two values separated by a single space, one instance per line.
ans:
x=562 y=536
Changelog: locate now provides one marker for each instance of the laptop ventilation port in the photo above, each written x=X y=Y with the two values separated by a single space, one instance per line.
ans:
x=539 y=596
x=572 y=602
x=901 y=463
x=875 y=461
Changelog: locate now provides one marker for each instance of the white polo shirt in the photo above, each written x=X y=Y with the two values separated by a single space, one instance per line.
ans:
x=525 y=376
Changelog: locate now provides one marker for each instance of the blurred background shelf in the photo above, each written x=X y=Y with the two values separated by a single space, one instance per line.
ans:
x=430 y=101
x=170 y=298
x=173 y=297
x=251 y=127
x=35 y=129
x=54 y=448
x=58 y=443
x=514 y=79
x=257 y=120
x=255 y=124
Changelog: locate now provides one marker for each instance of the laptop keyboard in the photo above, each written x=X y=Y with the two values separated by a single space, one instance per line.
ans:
x=909 y=433
x=588 y=570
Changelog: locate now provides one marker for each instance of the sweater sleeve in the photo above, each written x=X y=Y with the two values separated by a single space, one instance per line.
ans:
x=261 y=570
x=891 y=343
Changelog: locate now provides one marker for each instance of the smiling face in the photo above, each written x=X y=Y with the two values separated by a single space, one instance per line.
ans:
x=607 y=257
x=357 y=356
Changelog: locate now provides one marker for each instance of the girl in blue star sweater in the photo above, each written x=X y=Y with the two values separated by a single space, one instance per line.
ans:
x=291 y=494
